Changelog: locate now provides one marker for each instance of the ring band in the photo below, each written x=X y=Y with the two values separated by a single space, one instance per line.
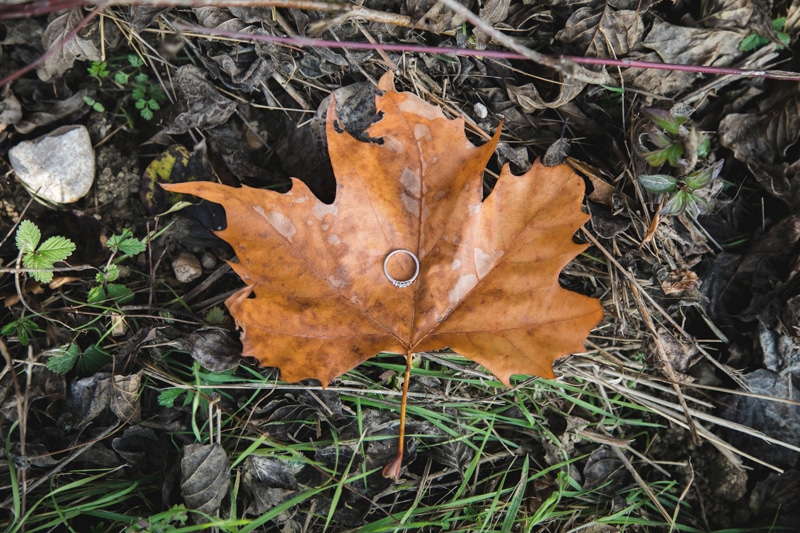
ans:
x=398 y=283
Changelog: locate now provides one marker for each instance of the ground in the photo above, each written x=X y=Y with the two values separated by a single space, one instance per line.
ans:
x=126 y=404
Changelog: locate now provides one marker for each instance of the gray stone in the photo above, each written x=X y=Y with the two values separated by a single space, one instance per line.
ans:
x=58 y=166
x=187 y=267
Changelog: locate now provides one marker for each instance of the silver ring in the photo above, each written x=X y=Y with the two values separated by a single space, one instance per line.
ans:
x=398 y=283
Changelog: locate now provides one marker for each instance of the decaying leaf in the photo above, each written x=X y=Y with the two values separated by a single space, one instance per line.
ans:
x=603 y=32
x=77 y=48
x=762 y=140
x=211 y=347
x=488 y=270
x=205 y=476
x=529 y=99
x=200 y=104
x=687 y=46
x=125 y=397
x=433 y=15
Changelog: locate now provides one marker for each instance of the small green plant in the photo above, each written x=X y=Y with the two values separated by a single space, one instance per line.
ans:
x=39 y=258
x=675 y=143
x=147 y=96
x=127 y=245
x=99 y=71
x=682 y=191
x=23 y=328
x=754 y=41
x=86 y=363
x=94 y=104
x=162 y=522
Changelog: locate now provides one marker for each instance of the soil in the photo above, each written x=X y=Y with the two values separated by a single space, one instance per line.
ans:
x=253 y=114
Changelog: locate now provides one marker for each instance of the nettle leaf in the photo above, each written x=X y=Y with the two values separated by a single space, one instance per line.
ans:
x=487 y=281
x=28 y=236
x=63 y=360
x=126 y=243
x=112 y=291
x=658 y=183
x=36 y=263
x=56 y=249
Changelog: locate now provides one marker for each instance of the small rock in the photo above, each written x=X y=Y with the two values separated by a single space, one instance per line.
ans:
x=58 y=166
x=187 y=267
x=209 y=261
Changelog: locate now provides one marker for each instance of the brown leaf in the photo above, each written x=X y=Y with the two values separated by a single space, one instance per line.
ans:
x=200 y=104
x=762 y=139
x=77 y=48
x=687 y=46
x=124 y=401
x=433 y=15
x=205 y=476
x=529 y=99
x=488 y=275
x=603 y=33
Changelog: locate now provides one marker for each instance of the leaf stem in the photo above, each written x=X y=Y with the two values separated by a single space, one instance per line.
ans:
x=392 y=470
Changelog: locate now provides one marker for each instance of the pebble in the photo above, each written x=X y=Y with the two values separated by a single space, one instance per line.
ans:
x=187 y=267
x=59 y=166
x=208 y=261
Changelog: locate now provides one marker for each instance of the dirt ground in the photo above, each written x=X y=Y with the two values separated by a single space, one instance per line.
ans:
x=693 y=244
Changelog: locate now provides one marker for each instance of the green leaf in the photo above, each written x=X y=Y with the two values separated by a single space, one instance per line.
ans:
x=664 y=119
x=658 y=183
x=98 y=69
x=138 y=93
x=656 y=158
x=113 y=291
x=674 y=154
x=23 y=335
x=215 y=315
x=28 y=236
x=35 y=263
x=56 y=249
x=92 y=360
x=695 y=205
x=752 y=41
x=157 y=93
x=63 y=360
x=676 y=205
x=152 y=104
x=135 y=61
x=122 y=78
x=701 y=178
x=132 y=247
x=98 y=107
x=166 y=398
x=146 y=113
x=704 y=146
x=96 y=294
x=126 y=243
x=141 y=79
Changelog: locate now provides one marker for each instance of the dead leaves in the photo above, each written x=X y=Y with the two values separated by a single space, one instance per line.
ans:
x=487 y=284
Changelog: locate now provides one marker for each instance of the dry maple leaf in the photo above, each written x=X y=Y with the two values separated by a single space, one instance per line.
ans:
x=488 y=269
